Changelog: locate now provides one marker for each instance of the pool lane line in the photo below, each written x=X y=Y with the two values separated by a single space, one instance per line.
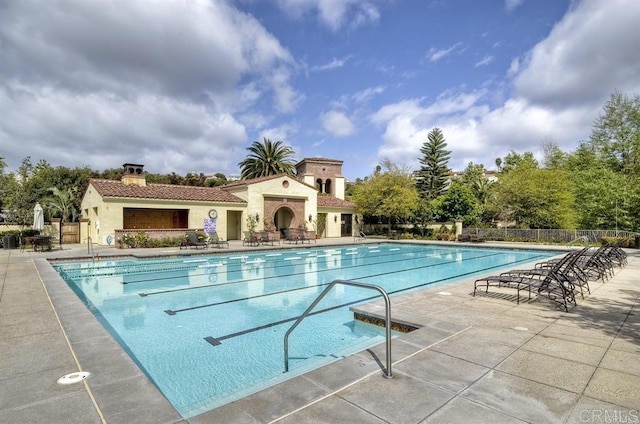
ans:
x=175 y=311
x=282 y=265
x=215 y=341
x=143 y=294
x=180 y=266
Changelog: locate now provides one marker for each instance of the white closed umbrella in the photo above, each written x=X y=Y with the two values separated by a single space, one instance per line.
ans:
x=38 y=217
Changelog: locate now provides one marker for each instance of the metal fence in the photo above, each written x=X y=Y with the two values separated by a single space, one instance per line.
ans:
x=547 y=236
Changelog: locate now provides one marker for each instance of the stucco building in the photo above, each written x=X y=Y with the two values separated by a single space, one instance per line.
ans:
x=278 y=202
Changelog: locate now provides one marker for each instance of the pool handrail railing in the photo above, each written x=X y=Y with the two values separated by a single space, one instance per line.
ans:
x=387 y=373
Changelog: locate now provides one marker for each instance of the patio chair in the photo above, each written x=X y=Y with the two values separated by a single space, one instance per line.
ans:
x=596 y=264
x=304 y=236
x=569 y=271
x=192 y=240
x=290 y=237
x=267 y=237
x=216 y=241
x=250 y=239
x=552 y=285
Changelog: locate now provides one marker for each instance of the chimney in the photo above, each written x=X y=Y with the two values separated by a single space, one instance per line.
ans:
x=134 y=175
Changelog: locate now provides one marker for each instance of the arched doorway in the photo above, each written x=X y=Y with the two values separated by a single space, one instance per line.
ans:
x=283 y=218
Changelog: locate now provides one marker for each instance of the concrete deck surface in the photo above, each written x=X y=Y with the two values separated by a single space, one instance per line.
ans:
x=473 y=359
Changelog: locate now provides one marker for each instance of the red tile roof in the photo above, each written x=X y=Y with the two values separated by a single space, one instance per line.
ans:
x=114 y=188
x=334 y=202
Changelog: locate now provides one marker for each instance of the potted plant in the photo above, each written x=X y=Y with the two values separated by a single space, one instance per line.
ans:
x=319 y=225
x=252 y=223
x=443 y=233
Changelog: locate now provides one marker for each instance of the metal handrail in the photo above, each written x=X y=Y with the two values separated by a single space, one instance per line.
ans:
x=583 y=239
x=387 y=373
x=360 y=236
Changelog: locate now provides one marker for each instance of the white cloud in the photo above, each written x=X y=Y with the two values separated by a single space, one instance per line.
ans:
x=558 y=91
x=114 y=82
x=485 y=61
x=590 y=52
x=106 y=131
x=337 y=124
x=434 y=54
x=334 y=64
x=511 y=5
x=284 y=133
x=334 y=14
x=365 y=95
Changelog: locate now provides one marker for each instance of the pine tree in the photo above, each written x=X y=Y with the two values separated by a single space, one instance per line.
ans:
x=432 y=177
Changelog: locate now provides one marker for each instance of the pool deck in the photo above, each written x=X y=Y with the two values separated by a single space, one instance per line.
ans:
x=473 y=359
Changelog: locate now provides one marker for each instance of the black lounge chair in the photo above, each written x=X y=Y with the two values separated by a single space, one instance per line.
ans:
x=290 y=237
x=192 y=240
x=250 y=239
x=552 y=285
x=269 y=238
x=304 y=236
x=215 y=240
x=599 y=264
x=570 y=272
x=475 y=238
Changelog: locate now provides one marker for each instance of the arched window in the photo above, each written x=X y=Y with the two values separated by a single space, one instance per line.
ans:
x=327 y=186
x=319 y=185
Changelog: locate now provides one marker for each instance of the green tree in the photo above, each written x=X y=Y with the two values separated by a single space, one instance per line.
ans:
x=514 y=159
x=389 y=193
x=616 y=134
x=475 y=179
x=267 y=158
x=605 y=199
x=534 y=197
x=458 y=203
x=432 y=176
x=422 y=216
x=217 y=180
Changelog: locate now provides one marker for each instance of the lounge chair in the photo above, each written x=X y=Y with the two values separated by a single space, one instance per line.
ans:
x=290 y=237
x=304 y=236
x=553 y=285
x=569 y=271
x=267 y=237
x=216 y=241
x=250 y=239
x=475 y=238
x=599 y=264
x=192 y=240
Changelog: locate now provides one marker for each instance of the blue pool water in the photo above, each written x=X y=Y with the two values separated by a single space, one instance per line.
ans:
x=209 y=329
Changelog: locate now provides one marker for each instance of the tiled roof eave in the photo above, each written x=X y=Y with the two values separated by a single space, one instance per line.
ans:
x=110 y=197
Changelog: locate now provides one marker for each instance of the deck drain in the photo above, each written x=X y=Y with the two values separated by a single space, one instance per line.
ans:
x=74 y=377
x=521 y=328
x=444 y=293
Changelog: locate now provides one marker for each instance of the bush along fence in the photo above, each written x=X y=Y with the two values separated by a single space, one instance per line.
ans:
x=558 y=236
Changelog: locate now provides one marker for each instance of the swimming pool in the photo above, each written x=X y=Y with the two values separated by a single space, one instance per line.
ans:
x=209 y=329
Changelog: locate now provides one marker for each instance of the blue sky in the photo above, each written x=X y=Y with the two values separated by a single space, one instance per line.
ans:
x=185 y=86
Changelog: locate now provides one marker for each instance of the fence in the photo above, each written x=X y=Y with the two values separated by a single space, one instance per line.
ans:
x=547 y=236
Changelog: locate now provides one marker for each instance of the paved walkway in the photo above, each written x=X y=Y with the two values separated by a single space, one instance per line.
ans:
x=474 y=359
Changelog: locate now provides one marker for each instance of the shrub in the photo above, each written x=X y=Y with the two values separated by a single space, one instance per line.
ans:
x=619 y=241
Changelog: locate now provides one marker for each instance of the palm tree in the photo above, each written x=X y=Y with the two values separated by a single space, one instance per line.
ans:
x=62 y=203
x=267 y=158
